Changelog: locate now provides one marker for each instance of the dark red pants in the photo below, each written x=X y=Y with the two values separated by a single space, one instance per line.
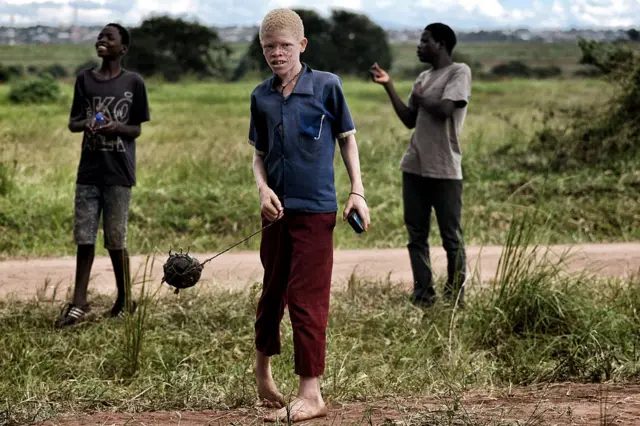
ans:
x=297 y=256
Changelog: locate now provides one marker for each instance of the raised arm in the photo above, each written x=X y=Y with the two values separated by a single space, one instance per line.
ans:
x=406 y=114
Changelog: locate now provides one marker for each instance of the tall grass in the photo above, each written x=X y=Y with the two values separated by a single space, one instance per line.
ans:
x=196 y=188
x=535 y=323
x=135 y=323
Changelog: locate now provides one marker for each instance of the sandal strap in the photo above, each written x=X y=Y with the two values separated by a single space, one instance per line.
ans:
x=76 y=312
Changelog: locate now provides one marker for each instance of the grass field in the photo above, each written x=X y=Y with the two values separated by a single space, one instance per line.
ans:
x=487 y=55
x=195 y=352
x=195 y=183
x=196 y=189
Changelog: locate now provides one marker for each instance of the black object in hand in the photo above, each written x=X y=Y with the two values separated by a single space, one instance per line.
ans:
x=355 y=221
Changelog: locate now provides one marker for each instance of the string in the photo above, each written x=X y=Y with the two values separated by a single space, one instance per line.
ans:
x=239 y=242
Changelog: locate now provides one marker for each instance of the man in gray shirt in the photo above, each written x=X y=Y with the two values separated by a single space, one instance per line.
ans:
x=431 y=166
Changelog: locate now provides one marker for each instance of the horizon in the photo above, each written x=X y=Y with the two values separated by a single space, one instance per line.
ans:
x=462 y=15
x=385 y=27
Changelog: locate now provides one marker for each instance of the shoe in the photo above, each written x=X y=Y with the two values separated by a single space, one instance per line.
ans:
x=422 y=302
x=73 y=315
x=117 y=311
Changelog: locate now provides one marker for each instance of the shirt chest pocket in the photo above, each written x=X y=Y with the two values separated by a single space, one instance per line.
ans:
x=314 y=125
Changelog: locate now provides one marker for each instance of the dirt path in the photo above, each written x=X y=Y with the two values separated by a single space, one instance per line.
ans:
x=558 y=404
x=238 y=270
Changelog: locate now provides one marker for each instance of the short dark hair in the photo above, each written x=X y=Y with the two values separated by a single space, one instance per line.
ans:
x=124 y=33
x=442 y=33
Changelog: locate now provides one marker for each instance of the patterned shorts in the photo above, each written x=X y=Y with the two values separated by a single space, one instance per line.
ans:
x=113 y=203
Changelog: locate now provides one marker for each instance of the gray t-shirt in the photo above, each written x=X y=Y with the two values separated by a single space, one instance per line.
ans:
x=109 y=159
x=434 y=150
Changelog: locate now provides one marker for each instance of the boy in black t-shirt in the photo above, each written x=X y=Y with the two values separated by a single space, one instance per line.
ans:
x=106 y=172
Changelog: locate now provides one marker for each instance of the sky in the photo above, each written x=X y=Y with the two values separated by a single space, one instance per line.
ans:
x=466 y=15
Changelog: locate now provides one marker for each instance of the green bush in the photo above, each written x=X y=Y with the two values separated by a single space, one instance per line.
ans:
x=547 y=72
x=56 y=71
x=4 y=74
x=16 y=71
x=522 y=70
x=512 y=69
x=35 y=90
x=10 y=72
x=603 y=133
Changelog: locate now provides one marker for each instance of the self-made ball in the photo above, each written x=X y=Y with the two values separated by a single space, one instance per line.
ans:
x=181 y=271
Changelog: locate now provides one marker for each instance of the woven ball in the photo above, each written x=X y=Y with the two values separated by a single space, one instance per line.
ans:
x=182 y=271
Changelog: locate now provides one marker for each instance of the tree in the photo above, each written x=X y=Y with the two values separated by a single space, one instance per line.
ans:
x=634 y=35
x=173 y=47
x=609 y=58
x=347 y=43
x=360 y=42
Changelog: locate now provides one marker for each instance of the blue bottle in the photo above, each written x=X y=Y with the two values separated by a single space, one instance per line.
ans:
x=100 y=121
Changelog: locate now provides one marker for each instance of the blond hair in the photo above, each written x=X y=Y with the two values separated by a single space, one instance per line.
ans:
x=282 y=19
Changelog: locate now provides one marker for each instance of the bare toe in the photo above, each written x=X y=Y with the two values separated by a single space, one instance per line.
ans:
x=269 y=395
x=267 y=403
x=298 y=411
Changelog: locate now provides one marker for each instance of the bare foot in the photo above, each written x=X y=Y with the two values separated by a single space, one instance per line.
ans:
x=299 y=410
x=267 y=389
x=268 y=393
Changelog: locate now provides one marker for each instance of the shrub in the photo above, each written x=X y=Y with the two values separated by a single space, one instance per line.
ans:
x=10 y=72
x=35 y=90
x=56 y=71
x=4 y=74
x=16 y=71
x=522 y=70
x=547 y=72
x=602 y=133
x=512 y=69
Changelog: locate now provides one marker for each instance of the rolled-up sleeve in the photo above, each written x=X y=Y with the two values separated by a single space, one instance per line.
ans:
x=343 y=124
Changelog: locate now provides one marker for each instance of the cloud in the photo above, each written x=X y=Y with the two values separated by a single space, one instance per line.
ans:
x=606 y=13
x=460 y=14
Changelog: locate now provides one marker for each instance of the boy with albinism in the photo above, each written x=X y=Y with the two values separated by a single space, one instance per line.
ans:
x=296 y=117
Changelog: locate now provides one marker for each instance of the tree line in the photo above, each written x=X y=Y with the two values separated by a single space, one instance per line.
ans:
x=346 y=43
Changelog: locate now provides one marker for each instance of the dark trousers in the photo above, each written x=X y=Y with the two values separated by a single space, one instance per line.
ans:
x=297 y=256
x=420 y=195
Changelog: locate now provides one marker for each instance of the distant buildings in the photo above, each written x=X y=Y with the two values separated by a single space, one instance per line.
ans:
x=41 y=34
x=240 y=34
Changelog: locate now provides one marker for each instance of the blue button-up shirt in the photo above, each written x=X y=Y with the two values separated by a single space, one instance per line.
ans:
x=297 y=137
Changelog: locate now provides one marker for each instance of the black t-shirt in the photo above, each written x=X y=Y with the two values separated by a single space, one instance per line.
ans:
x=109 y=159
